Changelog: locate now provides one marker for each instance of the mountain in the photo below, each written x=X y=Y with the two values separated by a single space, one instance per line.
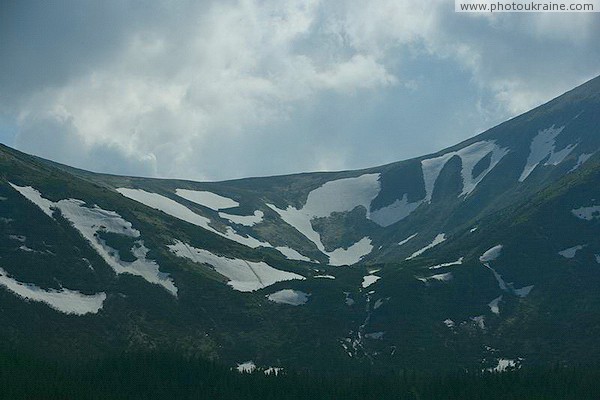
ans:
x=483 y=255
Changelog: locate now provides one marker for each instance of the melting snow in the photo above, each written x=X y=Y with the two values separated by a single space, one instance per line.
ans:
x=437 y=240
x=503 y=365
x=179 y=211
x=395 y=212
x=479 y=321
x=571 y=251
x=587 y=213
x=292 y=254
x=273 y=371
x=90 y=221
x=207 y=199
x=349 y=300
x=581 y=160
x=494 y=305
x=407 y=239
x=246 y=367
x=439 y=277
x=244 y=276
x=324 y=276
x=597 y=256
x=334 y=196
x=375 y=335
x=246 y=220
x=491 y=254
x=469 y=156
x=523 y=292
x=289 y=296
x=64 y=300
x=448 y=264
x=368 y=280
x=542 y=146
x=449 y=323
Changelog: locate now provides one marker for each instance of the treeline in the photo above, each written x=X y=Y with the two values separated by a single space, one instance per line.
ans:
x=165 y=376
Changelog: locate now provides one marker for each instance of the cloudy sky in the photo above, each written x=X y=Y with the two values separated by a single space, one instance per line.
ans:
x=213 y=90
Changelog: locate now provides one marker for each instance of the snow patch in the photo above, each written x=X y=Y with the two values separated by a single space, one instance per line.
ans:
x=571 y=251
x=491 y=254
x=395 y=212
x=289 y=296
x=368 y=280
x=494 y=305
x=438 y=277
x=64 y=300
x=90 y=221
x=324 y=276
x=407 y=239
x=207 y=199
x=542 y=146
x=449 y=323
x=503 y=365
x=244 y=276
x=375 y=335
x=340 y=195
x=581 y=160
x=437 y=240
x=448 y=264
x=469 y=156
x=246 y=220
x=587 y=213
x=179 y=211
x=292 y=254
x=246 y=367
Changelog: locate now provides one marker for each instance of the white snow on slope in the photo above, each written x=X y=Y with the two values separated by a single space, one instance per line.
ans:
x=246 y=220
x=597 y=257
x=509 y=287
x=179 y=211
x=368 y=280
x=449 y=323
x=292 y=254
x=522 y=292
x=246 y=367
x=375 y=335
x=352 y=254
x=334 y=196
x=244 y=276
x=289 y=296
x=503 y=365
x=324 y=276
x=587 y=213
x=542 y=146
x=207 y=199
x=448 y=264
x=407 y=239
x=395 y=212
x=571 y=251
x=437 y=240
x=438 y=277
x=90 y=221
x=64 y=300
x=494 y=305
x=581 y=160
x=491 y=254
x=469 y=156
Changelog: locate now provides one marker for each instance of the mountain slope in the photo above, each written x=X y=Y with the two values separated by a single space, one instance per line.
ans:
x=454 y=259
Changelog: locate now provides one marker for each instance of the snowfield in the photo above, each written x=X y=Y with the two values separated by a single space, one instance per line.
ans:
x=91 y=221
x=437 y=240
x=543 y=146
x=407 y=239
x=340 y=195
x=244 y=276
x=207 y=199
x=494 y=305
x=292 y=254
x=289 y=296
x=64 y=300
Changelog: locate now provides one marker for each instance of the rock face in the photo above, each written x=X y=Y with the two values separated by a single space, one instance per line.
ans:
x=508 y=221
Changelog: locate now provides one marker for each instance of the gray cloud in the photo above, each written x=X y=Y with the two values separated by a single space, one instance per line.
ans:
x=214 y=90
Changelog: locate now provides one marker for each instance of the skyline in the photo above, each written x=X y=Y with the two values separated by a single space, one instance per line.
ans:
x=213 y=90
